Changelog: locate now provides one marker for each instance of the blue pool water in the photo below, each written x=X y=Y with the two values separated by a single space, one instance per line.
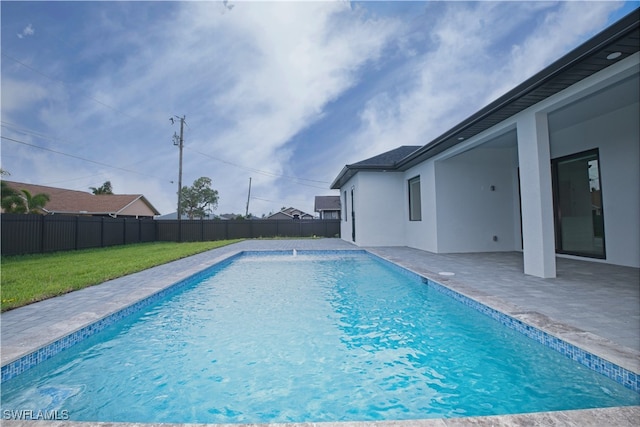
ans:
x=307 y=338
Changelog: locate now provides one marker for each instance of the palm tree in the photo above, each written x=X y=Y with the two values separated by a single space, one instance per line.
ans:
x=11 y=200
x=103 y=189
x=22 y=201
x=35 y=204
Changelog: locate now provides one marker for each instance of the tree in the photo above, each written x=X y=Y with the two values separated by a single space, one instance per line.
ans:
x=22 y=201
x=35 y=204
x=11 y=200
x=199 y=199
x=103 y=189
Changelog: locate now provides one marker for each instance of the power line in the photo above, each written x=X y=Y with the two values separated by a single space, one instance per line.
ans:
x=267 y=173
x=31 y=132
x=281 y=203
x=77 y=157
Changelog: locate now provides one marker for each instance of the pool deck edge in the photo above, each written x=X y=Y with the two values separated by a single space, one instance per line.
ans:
x=624 y=357
x=31 y=340
x=621 y=416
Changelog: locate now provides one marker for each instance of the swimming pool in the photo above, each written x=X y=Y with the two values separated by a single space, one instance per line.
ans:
x=256 y=342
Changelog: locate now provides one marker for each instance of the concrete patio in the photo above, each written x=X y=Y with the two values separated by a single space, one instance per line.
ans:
x=592 y=305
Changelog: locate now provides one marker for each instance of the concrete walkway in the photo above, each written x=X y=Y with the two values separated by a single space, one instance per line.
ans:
x=594 y=306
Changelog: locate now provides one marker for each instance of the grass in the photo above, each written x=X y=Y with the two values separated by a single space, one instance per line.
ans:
x=30 y=278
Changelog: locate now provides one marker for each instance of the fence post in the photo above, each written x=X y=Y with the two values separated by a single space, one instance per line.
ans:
x=102 y=232
x=42 y=234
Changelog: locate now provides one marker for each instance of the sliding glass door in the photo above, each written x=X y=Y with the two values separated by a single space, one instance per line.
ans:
x=578 y=205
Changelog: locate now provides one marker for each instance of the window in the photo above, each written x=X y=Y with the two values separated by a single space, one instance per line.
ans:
x=330 y=215
x=415 y=207
x=577 y=196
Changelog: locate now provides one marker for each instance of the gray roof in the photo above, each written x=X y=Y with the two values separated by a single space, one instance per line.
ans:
x=582 y=62
x=327 y=203
x=389 y=158
x=385 y=161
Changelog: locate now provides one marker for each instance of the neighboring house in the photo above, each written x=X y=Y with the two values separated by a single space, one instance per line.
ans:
x=171 y=215
x=72 y=202
x=327 y=206
x=551 y=167
x=290 y=213
x=227 y=217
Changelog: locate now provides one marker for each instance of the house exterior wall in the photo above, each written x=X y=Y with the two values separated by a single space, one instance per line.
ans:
x=423 y=234
x=378 y=201
x=138 y=209
x=345 y=224
x=329 y=214
x=461 y=214
x=475 y=201
x=616 y=135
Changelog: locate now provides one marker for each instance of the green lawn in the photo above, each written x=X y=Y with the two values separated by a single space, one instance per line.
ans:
x=29 y=278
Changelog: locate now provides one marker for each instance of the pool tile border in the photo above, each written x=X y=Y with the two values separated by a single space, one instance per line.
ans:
x=28 y=361
x=604 y=367
x=611 y=370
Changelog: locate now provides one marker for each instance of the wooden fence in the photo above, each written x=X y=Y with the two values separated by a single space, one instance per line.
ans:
x=27 y=234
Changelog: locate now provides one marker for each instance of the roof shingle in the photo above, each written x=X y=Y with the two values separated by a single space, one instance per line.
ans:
x=79 y=202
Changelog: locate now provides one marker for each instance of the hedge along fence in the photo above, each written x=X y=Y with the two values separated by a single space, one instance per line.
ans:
x=27 y=234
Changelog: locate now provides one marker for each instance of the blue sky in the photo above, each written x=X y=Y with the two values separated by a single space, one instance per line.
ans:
x=286 y=93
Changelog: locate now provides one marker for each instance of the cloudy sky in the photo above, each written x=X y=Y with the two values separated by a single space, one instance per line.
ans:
x=286 y=93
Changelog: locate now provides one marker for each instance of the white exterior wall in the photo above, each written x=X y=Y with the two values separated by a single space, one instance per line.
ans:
x=617 y=137
x=422 y=234
x=469 y=213
x=379 y=205
x=346 y=223
x=459 y=213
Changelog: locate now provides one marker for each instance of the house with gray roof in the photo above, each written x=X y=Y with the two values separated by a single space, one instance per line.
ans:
x=328 y=207
x=549 y=169
x=290 y=213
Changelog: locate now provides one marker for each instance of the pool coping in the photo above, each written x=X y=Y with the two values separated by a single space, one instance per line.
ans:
x=621 y=416
x=70 y=326
x=624 y=357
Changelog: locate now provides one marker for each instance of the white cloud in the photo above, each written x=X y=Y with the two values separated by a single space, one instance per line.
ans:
x=251 y=77
x=262 y=72
x=560 y=31
x=470 y=65
x=20 y=95
x=26 y=31
x=247 y=79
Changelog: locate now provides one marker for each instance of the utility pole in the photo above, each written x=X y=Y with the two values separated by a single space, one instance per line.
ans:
x=179 y=141
x=246 y=214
